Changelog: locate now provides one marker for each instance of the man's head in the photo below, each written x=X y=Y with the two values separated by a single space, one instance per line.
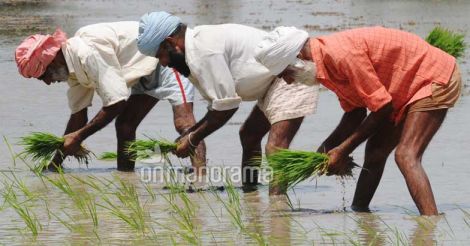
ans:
x=40 y=56
x=282 y=51
x=161 y=35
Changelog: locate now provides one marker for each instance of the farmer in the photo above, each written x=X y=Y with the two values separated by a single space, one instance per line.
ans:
x=104 y=58
x=219 y=61
x=405 y=83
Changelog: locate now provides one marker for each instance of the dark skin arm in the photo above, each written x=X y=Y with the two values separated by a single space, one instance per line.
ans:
x=349 y=122
x=103 y=117
x=339 y=155
x=212 y=121
x=76 y=121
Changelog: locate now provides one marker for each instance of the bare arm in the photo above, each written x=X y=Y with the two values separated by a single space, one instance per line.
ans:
x=366 y=129
x=339 y=156
x=76 y=121
x=212 y=121
x=103 y=117
x=349 y=122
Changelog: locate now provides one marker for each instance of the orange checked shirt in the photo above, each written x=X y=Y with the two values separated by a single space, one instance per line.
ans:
x=369 y=67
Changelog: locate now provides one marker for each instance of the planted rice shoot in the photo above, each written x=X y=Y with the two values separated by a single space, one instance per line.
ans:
x=41 y=147
x=291 y=167
x=108 y=156
x=145 y=148
x=447 y=40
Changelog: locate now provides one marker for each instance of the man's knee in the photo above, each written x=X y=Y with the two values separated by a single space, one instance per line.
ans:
x=271 y=148
x=281 y=134
x=406 y=158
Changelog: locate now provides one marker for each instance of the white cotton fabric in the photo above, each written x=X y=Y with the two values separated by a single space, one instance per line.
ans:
x=280 y=48
x=284 y=102
x=222 y=64
x=162 y=84
x=104 y=58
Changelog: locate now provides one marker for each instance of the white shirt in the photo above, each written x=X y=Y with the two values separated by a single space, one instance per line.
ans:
x=222 y=64
x=104 y=58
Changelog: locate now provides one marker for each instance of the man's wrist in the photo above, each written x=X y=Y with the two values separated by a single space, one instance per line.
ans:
x=191 y=140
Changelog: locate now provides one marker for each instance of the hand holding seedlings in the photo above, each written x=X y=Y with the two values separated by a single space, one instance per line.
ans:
x=184 y=147
x=72 y=143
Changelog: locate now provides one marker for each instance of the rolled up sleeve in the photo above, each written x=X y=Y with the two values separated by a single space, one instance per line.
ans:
x=364 y=80
x=79 y=97
x=216 y=82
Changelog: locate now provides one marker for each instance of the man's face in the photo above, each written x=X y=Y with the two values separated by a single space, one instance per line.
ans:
x=173 y=57
x=55 y=73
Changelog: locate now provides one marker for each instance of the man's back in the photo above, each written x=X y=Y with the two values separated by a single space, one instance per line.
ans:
x=234 y=45
x=116 y=43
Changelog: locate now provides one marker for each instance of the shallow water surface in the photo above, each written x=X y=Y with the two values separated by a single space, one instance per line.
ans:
x=319 y=210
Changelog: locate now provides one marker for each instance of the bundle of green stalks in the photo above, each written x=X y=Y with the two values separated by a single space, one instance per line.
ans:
x=41 y=147
x=144 y=148
x=447 y=40
x=290 y=167
x=108 y=156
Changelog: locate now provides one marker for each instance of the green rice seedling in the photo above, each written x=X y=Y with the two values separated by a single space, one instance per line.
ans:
x=41 y=147
x=21 y=208
x=88 y=182
x=183 y=215
x=144 y=148
x=19 y=184
x=132 y=213
x=108 y=156
x=10 y=150
x=293 y=166
x=447 y=40
x=150 y=191
x=233 y=207
x=466 y=218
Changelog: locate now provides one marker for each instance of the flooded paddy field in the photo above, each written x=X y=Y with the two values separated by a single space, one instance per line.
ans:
x=99 y=204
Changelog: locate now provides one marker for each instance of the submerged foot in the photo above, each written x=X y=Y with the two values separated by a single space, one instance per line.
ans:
x=361 y=209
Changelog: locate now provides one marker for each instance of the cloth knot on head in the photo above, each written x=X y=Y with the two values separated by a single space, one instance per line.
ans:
x=279 y=48
x=37 y=51
x=154 y=27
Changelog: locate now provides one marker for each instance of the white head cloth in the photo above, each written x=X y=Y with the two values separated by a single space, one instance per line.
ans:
x=280 y=48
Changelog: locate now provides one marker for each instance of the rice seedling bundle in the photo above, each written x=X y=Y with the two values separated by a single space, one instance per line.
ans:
x=293 y=166
x=447 y=40
x=144 y=148
x=41 y=147
x=108 y=156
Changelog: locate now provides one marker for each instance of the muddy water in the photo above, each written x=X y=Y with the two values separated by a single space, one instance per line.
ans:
x=318 y=216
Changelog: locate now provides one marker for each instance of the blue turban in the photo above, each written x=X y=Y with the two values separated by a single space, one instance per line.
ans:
x=154 y=27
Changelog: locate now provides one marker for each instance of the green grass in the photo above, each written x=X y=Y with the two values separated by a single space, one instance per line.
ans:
x=293 y=166
x=21 y=208
x=40 y=147
x=447 y=40
x=144 y=148
x=108 y=156
x=124 y=203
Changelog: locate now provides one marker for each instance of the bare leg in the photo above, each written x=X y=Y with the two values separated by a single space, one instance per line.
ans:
x=183 y=118
x=418 y=130
x=378 y=148
x=126 y=125
x=251 y=134
x=280 y=137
